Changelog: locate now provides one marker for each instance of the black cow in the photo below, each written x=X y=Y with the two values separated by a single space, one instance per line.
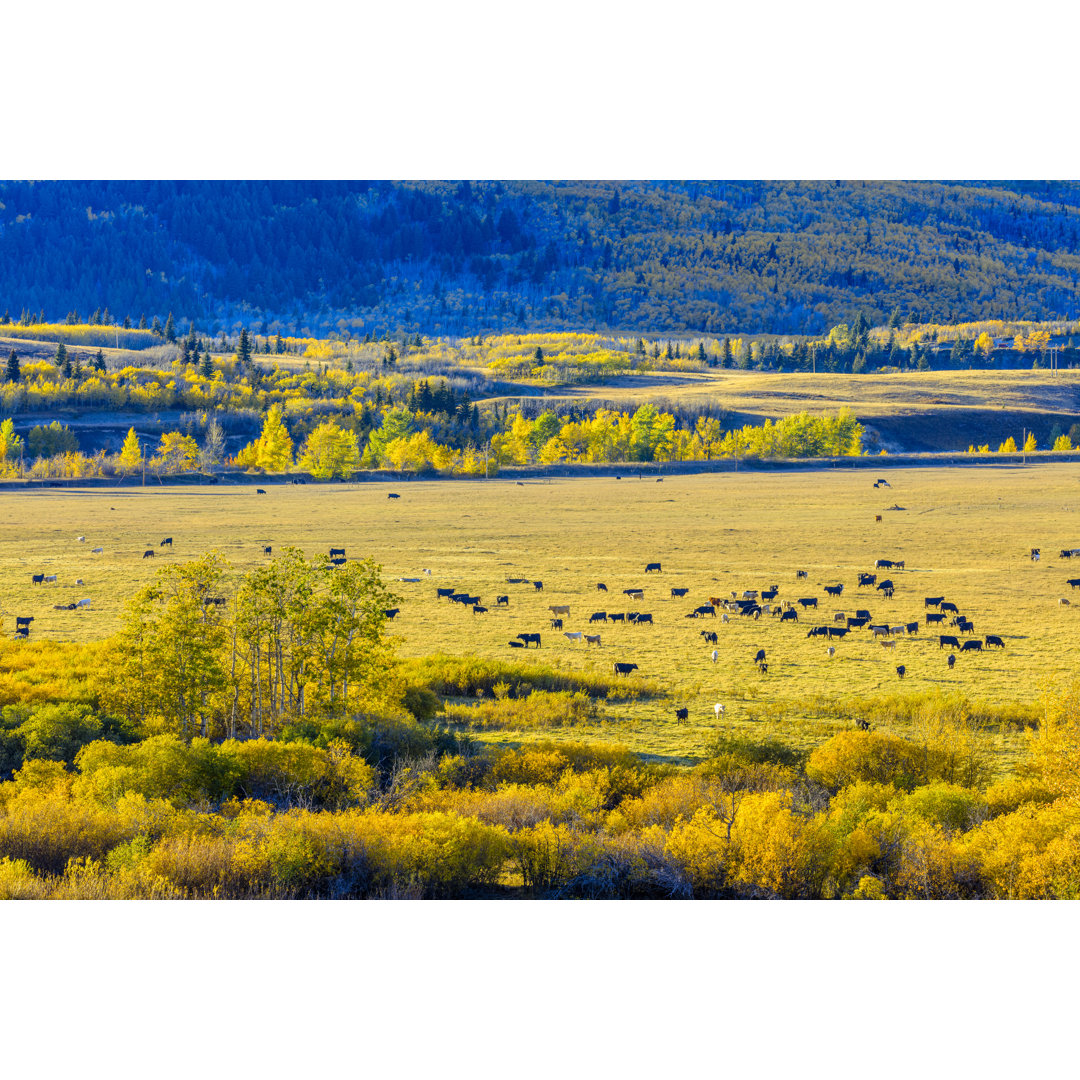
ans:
x=808 y=601
x=390 y=613
x=948 y=639
x=448 y=593
x=884 y=564
x=37 y=579
x=818 y=631
x=460 y=598
x=856 y=623
x=966 y=626
x=899 y=564
x=517 y=581
x=529 y=639
x=883 y=585
x=334 y=552
x=339 y=561
x=601 y=587
x=837 y=631
x=705 y=609
x=951 y=660
x=650 y=567
x=901 y=670
x=516 y=644
x=268 y=550
x=556 y=624
x=861 y=613
x=148 y=554
x=882 y=483
x=948 y=606
x=167 y=542
x=393 y=495
x=971 y=646
x=1066 y=553
x=760 y=657
x=993 y=639
x=538 y=586
x=769 y=594
x=1074 y=582
x=1035 y=553
x=834 y=590
x=932 y=601
x=617 y=617
x=682 y=714
x=502 y=601
x=934 y=617
x=259 y=491
x=710 y=637
x=789 y=616
x=478 y=610
x=598 y=616
x=679 y=592
x=645 y=618
x=867 y=579
x=23 y=620
x=800 y=574
x=763 y=668
x=912 y=627
x=624 y=669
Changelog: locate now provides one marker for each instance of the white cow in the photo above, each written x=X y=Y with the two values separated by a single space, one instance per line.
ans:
x=574 y=635
x=96 y=551
x=81 y=539
x=831 y=650
x=85 y=603
x=715 y=655
x=719 y=710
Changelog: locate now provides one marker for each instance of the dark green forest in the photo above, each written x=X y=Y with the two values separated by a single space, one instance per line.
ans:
x=461 y=257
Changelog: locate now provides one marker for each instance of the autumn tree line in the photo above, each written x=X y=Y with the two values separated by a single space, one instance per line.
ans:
x=271 y=745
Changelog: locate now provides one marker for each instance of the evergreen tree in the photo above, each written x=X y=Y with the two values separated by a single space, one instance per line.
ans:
x=155 y=327
x=142 y=322
x=127 y=322
x=701 y=355
x=170 y=329
x=726 y=356
x=279 y=346
x=61 y=358
x=13 y=372
x=243 y=349
x=99 y=360
x=538 y=356
x=207 y=367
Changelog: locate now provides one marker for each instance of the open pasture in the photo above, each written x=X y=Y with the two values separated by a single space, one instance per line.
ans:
x=964 y=534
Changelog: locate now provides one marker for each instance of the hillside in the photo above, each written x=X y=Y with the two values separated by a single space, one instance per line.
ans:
x=449 y=258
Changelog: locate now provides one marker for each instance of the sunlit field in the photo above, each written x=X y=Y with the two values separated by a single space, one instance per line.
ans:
x=962 y=533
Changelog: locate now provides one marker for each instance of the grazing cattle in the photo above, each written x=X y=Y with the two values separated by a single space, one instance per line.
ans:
x=994 y=640
x=723 y=618
x=934 y=617
x=78 y=581
x=1074 y=582
x=502 y=601
x=559 y=609
x=901 y=670
x=393 y=495
x=837 y=631
x=459 y=598
x=877 y=517
x=517 y=581
x=259 y=491
x=538 y=586
x=440 y=593
x=391 y=612
x=97 y=551
x=85 y=602
x=770 y=593
x=896 y=631
x=888 y=644
x=883 y=483
x=601 y=587
x=167 y=542
x=478 y=610
x=787 y=616
x=556 y=624
x=1061 y=603
x=23 y=620
x=932 y=601
x=572 y=635
x=23 y=633
x=818 y=631
x=81 y=539
x=592 y=639
x=912 y=627
x=760 y=656
x=882 y=585
x=341 y=560
x=1035 y=553
x=516 y=644
x=867 y=579
x=839 y=616
x=948 y=639
x=682 y=714
x=710 y=636
x=50 y=578
x=898 y=565
x=966 y=626
x=951 y=660
x=861 y=724
x=659 y=479
x=718 y=710
x=619 y=616
x=623 y=669
x=750 y=594
x=650 y=567
x=880 y=631
x=888 y=593
x=1068 y=553
x=63 y=607
x=679 y=592
x=530 y=639
x=715 y=656
x=37 y=579
x=834 y=590
x=428 y=572
x=646 y=618
x=634 y=594
x=716 y=601
x=149 y=554
x=857 y=623
x=335 y=552
x=947 y=605
x=800 y=574
x=884 y=564
x=808 y=601
x=861 y=613
x=830 y=651
x=971 y=646
x=598 y=616
x=705 y=609
x=268 y=550
x=763 y=668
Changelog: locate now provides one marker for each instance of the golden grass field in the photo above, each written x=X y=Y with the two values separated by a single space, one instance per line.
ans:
x=963 y=532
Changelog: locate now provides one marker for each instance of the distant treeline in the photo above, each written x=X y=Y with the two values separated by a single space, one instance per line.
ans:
x=715 y=257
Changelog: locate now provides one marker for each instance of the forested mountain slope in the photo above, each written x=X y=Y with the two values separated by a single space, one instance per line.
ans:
x=463 y=258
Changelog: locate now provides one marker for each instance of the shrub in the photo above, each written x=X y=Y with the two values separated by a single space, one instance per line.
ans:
x=869 y=755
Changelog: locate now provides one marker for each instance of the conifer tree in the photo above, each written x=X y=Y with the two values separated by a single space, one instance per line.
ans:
x=13 y=372
x=170 y=329
x=207 y=366
x=99 y=360
x=155 y=327
x=243 y=349
x=61 y=357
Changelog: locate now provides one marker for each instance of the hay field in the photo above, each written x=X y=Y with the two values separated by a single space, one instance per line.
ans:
x=964 y=533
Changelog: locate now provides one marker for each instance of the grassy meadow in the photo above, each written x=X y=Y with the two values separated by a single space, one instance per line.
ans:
x=964 y=533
